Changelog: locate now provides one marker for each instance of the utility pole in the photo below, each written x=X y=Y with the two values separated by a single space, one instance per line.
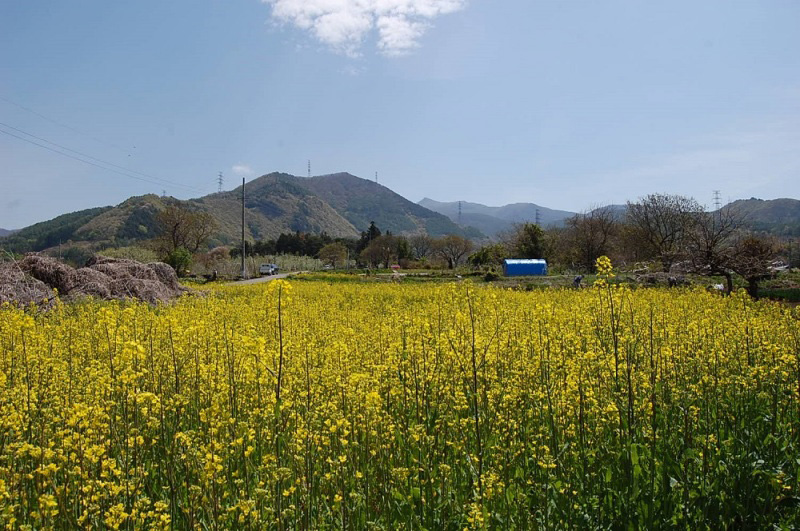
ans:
x=244 y=270
x=219 y=182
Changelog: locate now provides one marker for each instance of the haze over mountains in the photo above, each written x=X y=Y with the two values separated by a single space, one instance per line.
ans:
x=493 y=220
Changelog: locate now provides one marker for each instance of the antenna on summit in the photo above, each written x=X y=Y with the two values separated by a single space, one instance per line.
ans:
x=219 y=182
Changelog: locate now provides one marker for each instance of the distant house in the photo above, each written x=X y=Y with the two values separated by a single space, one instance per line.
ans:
x=519 y=266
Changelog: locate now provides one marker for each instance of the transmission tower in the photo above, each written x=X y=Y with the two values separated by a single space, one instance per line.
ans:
x=219 y=182
x=538 y=218
x=309 y=168
x=459 y=212
x=376 y=177
x=717 y=200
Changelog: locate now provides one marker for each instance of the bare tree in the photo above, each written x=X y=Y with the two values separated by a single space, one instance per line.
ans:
x=453 y=248
x=710 y=241
x=181 y=227
x=661 y=222
x=381 y=250
x=590 y=234
x=421 y=246
x=752 y=260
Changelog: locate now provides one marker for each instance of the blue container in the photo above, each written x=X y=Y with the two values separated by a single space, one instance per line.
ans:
x=518 y=267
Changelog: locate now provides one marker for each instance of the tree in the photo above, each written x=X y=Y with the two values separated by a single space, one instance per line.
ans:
x=180 y=259
x=710 y=243
x=381 y=250
x=527 y=241
x=489 y=255
x=333 y=253
x=661 y=221
x=403 y=248
x=590 y=235
x=453 y=248
x=366 y=237
x=421 y=246
x=180 y=227
x=752 y=260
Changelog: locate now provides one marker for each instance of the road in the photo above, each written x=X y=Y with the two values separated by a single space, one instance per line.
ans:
x=265 y=278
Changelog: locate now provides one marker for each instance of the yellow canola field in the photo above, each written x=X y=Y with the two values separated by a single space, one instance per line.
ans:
x=310 y=405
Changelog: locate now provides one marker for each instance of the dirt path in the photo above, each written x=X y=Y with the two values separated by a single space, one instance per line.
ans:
x=265 y=278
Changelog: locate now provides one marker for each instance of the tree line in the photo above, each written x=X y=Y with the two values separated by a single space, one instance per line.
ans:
x=673 y=231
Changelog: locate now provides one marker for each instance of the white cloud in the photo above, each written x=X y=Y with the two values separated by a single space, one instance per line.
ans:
x=344 y=24
x=242 y=170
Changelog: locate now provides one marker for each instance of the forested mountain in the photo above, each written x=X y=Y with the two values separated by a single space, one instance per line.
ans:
x=780 y=217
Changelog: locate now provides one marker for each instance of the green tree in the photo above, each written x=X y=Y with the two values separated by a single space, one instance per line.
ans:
x=528 y=241
x=333 y=253
x=366 y=237
x=488 y=255
x=180 y=259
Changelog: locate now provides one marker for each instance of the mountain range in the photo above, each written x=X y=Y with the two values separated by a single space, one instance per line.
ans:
x=493 y=220
x=779 y=217
x=342 y=205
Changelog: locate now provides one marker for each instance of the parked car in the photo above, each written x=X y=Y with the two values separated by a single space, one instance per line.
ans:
x=267 y=269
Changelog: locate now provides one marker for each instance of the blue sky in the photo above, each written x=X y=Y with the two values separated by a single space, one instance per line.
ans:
x=562 y=103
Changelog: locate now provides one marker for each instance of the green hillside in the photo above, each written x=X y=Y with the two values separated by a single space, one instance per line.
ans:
x=50 y=233
x=780 y=217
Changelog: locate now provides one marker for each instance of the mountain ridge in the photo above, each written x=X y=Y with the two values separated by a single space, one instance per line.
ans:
x=779 y=217
x=341 y=205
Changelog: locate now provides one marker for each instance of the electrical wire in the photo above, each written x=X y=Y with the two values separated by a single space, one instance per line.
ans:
x=162 y=181
x=65 y=126
x=125 y=171
x=80 y=159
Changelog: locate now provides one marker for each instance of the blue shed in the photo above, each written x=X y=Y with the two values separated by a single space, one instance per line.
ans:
x=518 y=266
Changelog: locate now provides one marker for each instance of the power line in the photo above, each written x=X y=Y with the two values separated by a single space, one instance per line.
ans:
x=125 y=171
x=80 y=159
x=65 y=126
